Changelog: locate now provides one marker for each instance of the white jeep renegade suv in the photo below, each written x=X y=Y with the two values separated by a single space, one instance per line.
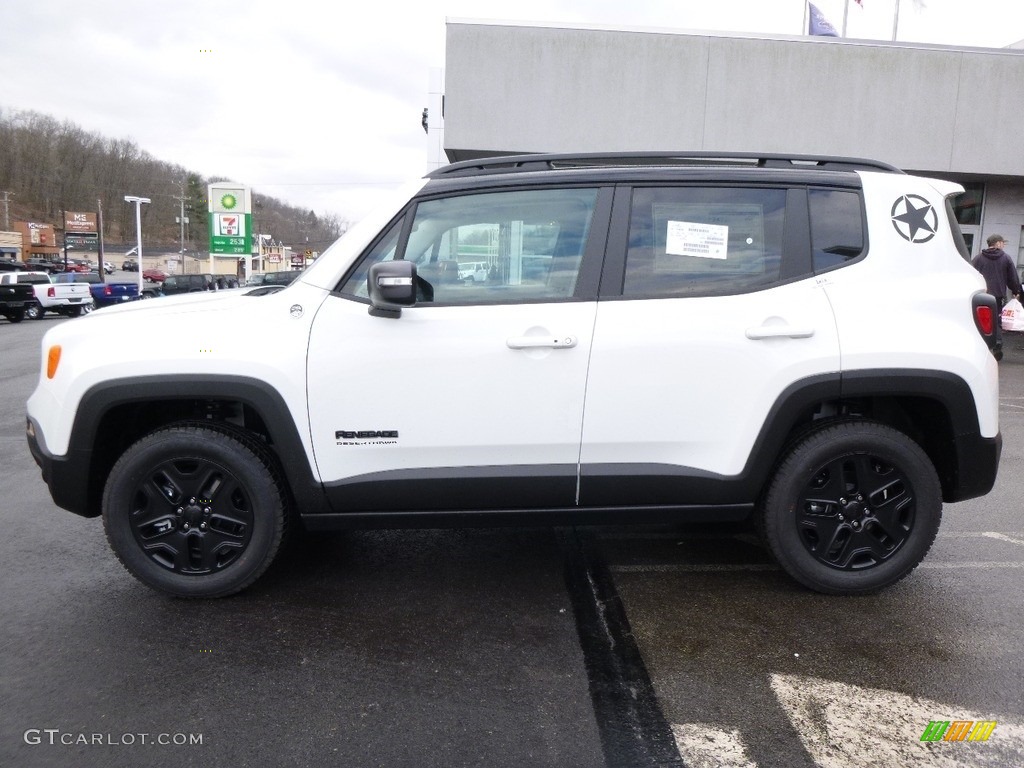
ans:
x=656 y=338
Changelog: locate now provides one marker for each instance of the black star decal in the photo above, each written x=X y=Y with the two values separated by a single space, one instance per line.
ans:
x=915 y=218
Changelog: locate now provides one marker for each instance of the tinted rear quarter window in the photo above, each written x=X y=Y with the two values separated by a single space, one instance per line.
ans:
x=837 y=227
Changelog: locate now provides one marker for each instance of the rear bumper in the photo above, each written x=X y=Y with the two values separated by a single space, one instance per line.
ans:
x=978 y=465
x=110 y=301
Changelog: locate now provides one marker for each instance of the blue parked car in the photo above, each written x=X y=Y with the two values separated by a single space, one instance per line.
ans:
x=104 y=294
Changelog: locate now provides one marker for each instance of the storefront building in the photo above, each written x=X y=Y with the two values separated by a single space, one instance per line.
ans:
x=10 y=245
x=38 y=241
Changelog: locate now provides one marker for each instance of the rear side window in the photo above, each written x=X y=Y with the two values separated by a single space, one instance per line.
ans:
x=837 y=227
x=688 y=241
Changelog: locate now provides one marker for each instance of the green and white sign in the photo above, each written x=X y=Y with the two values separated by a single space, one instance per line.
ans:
x=230 y=209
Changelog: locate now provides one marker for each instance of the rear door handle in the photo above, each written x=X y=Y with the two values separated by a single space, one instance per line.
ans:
x=538 y=342
x=779 y=332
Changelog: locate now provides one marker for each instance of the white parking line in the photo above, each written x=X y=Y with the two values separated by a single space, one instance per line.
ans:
x=950 y=566
x=842 y=725
x=981 y=535
x=729 y=567
x=1004 y=537
x=1010 y=538
x=705 y=746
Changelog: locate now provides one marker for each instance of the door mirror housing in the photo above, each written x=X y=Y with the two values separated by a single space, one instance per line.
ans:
x=391 y=286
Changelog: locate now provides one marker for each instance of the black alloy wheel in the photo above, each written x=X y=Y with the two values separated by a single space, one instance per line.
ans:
x=854 y=508
x=195 y=511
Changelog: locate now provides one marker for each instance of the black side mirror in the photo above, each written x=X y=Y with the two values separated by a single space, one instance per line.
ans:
x=391 y=285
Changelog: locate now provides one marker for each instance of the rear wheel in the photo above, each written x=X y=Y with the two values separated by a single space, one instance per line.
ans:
x=34 y=311
x=853 y=508
x=17 y=316
x=195 y=511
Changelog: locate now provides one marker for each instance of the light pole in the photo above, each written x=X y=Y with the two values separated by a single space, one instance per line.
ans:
x=138 y=229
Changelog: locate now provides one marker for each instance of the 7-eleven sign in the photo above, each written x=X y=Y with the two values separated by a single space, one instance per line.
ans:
x=230 y=225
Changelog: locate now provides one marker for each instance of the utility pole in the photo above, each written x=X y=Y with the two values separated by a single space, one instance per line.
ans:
x=182 y=221
x=64 y=218
x=99 y=226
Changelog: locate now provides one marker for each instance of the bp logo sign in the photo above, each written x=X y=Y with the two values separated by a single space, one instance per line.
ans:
x=914 y=218
x=228 y=201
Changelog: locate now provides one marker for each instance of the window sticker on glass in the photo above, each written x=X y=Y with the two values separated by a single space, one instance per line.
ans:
x=705 y=241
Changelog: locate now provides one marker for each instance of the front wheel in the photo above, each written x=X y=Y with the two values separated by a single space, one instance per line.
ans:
x=853 y=508
x=195 y=511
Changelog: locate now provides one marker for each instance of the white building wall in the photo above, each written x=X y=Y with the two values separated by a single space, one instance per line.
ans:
x=526 y=87
x=522 y=88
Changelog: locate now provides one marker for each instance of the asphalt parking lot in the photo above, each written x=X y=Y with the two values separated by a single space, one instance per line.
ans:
x=497 y=647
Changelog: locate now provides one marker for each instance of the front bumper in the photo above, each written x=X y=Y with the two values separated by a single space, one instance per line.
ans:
x=67 y=477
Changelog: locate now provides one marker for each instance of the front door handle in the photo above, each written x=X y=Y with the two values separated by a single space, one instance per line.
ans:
x=779 y=332
x=539 y=342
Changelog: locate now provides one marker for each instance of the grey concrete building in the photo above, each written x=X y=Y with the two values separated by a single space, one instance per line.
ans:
x=935 y=110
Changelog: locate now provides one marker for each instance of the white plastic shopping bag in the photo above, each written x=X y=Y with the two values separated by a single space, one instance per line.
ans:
x=1013 y=316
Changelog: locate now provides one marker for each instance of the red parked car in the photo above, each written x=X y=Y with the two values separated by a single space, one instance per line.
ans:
x=153 y=274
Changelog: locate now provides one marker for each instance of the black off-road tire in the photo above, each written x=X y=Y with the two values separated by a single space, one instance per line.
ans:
x=195 y=510
x=853 y=508
x=34 y=311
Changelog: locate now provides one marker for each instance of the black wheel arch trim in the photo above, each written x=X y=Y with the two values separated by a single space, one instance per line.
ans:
x=976 y=464
x=944 y=386
x=76 y=486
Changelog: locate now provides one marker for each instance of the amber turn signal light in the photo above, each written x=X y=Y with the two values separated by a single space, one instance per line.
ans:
x=52 y=361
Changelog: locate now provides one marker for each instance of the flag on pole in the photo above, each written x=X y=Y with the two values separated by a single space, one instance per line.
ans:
x=819 y=25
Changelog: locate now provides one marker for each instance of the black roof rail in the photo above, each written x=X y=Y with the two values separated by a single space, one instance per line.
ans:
x=553 y=161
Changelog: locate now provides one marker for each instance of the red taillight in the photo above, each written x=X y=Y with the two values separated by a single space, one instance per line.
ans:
x=985 y=318
x=106 y=290
x=51 y=292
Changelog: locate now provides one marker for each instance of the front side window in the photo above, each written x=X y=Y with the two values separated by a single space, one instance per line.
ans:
x=689 y=241
x=523 y=245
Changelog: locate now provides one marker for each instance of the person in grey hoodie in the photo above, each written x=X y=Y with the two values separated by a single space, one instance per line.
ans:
x=998 y=269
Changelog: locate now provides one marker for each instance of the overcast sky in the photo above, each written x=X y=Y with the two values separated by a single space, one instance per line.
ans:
x=318 y=103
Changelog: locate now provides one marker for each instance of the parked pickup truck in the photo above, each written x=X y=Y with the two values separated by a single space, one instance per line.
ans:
x=104 y=294
x=14 y=297
x=65 y=299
